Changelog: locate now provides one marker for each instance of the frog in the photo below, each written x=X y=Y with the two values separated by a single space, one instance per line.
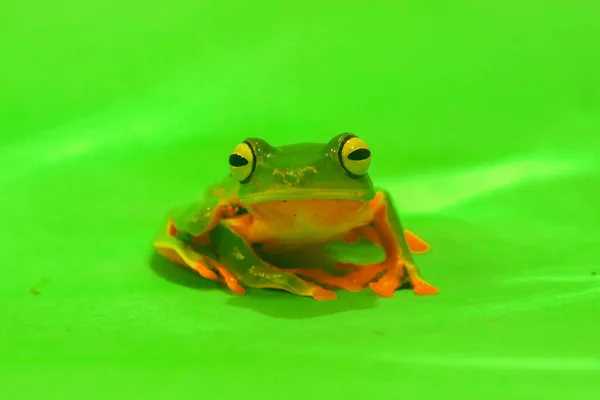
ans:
x=288 y=198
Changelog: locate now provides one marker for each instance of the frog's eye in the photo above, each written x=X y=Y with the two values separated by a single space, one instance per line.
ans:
x=242 y=162
x=355 y=156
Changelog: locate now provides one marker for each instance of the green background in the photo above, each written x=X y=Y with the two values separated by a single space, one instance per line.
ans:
x=483 y=118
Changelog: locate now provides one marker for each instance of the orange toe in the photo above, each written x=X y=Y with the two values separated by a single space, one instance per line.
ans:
x=203 y=270
x=382 y=290
x=386 y=286
x=230 y=280
x=233 y=284
x=424 y=288
x=323 y=294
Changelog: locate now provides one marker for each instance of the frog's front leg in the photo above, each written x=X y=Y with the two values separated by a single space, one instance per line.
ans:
x=398 y=265
x=415 y=243
x=237 y=256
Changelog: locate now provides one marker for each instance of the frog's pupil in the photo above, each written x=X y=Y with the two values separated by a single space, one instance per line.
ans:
x=235 y=160
x=360 y=154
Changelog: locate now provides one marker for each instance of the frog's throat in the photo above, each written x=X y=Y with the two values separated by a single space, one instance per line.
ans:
x=306 y=194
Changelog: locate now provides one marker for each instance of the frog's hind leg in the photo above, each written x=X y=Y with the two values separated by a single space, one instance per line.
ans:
x=181 y=253
x=361 y=275
x=240 y=261
x=353 y=282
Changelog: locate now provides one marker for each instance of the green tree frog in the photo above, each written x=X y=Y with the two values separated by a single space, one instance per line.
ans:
x=293 y=197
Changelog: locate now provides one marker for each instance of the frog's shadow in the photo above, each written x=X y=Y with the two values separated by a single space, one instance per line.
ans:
x=273 y=303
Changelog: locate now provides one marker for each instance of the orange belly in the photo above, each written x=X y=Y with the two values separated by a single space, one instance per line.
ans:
x=298 y=223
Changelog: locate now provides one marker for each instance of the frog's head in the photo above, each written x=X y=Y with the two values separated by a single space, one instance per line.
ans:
x=336 y=170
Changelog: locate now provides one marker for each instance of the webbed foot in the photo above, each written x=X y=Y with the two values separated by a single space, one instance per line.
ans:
x=353 y=282
x=383 y=278
x=398 y=273
x=420 y=285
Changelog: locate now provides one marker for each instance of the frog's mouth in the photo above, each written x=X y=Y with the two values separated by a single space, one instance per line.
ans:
x=307 y=194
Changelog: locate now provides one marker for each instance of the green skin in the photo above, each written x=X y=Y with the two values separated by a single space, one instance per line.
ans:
x=287 y=173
